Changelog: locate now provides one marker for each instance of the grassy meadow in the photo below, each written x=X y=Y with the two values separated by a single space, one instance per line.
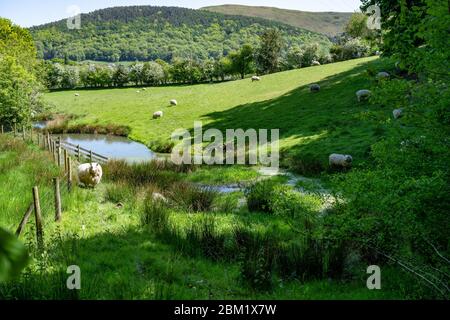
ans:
x=311 y=125
x=131 y=247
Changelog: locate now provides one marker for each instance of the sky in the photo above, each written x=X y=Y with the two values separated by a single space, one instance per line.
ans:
x=27 y=13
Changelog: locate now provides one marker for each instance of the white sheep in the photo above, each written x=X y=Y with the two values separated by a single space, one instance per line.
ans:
x=173 y=102
x=77 y=94
x=314 y=87
x=397 y=113
x=315 y=63
x=383 y=75
x=256 y=78
x=158 y=114
x=89 y=174
x=158 y=197
x=340 y=160
x=363 y=94
x=138 y=91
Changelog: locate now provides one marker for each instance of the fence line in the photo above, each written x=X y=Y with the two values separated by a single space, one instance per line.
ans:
x=61 y=152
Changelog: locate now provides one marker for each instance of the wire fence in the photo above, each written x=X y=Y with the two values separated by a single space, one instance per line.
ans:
x=50 y=199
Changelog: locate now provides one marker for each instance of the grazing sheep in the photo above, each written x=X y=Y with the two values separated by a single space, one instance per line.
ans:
x=398 y=113
x=89 y=174
x=138 y=91
x=340 y=160
x=157 y=114
x=145 y=89
x=77 y=94
x=314 y=87
x=383 y=75
x=363 y=94
x=173 y=102
x=315 y=63
x=256 y=78
x=158 y=197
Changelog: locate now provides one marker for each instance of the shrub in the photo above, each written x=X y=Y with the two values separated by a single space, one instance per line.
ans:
x=301 y=208
x=258 y=196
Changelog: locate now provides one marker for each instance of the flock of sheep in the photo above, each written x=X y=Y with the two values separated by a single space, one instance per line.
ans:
x=90 y=174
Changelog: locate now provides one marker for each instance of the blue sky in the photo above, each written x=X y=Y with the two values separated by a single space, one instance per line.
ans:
x=34 y=12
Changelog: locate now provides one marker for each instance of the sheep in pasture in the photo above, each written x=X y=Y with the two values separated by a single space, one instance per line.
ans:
x=138 y=91
x=256 y=78
x=383 y=75
x=397 y=113
x=77 y=94
x=340 y=161
x=315 y=63
x=363 y=94
x=314 y=87
x=157 y=114
x=173 y=102
x=89 y=174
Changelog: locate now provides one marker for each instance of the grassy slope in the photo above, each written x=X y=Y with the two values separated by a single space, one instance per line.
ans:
x=317 y=124
x=330 y=23
x=121 y=260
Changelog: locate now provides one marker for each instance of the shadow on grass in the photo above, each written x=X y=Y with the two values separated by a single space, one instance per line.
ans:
x=314 y=125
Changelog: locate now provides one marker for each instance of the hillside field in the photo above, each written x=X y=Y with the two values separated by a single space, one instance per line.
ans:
x=312 y=124
x=330 y=23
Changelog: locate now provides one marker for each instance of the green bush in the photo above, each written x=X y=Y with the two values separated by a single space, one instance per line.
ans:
x=258 y=196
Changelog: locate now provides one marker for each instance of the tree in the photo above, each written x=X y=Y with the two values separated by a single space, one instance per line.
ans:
x=19 y=85
x=357 y=25
x=152 y=73
x=120 y=76
x=135 y=74
x=270 y=49
x=243 y=61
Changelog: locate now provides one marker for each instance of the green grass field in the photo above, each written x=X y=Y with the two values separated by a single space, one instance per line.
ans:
x=311 y=125
x=120 y=258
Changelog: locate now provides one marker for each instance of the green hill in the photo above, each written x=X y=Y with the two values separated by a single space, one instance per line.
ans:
x=148 y=33
x=329 y=23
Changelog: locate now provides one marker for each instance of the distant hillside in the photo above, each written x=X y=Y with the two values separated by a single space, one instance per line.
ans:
x=148 y=33
x=329 y=23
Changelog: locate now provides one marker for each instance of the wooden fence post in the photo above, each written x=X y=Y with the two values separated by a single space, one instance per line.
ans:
x=78 y=153
x=24 y=220
x=69 y=174
x=59 y=155
x=15 y=129
x=38 y=217
x=65 y=160
x=38 y=140
x=57 y=199
x=90 y=156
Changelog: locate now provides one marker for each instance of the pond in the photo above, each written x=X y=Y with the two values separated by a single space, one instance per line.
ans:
x=113 y=147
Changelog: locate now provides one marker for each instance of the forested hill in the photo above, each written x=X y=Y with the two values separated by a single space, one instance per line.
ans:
x=330 y=23
x=149 y=33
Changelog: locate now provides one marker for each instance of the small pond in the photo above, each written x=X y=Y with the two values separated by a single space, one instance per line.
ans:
x=113 y=147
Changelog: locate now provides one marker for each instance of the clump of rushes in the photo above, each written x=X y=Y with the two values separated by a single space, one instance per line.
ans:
x=118 y=193
x=191 y=197
x=155 y=214
x=159 y=172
